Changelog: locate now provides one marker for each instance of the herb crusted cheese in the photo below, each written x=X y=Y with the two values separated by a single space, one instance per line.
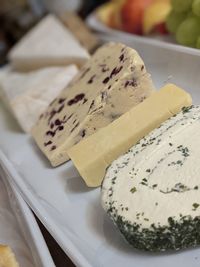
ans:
x=152 y=192
x=111 y=83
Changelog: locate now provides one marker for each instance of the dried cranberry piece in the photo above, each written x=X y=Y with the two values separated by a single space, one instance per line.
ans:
x=48 y=143
x=91 y=79
x=76 y=99
x=61 y=127
x=52 y=133
x=121 y=58
x=58 y=122
x=131 y=82
x=115 y=71
x=61 y=100
x=82 y=133
x=106 y=80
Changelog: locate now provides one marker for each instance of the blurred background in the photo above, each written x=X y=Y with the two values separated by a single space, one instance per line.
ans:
x=176 y=21
x=18 y=16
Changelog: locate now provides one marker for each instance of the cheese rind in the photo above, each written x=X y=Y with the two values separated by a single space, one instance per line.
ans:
x=152 y=192
x=93 y=155
x=112 y=82
x=28 y=95
x=49 y=43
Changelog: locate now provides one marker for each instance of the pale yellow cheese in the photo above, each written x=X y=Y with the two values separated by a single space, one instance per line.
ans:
x=7 y=257
x=94 y=154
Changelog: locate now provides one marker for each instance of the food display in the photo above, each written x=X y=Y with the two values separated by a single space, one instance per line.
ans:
x=7 y=257
x=112 y=81
x=138 y=144
x=178 y=19
x=93 y=155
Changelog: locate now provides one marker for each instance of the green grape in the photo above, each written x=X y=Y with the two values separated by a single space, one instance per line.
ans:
x=198 y=43
x=188 y=31
x=181 y=5
x=190 y=14
x=196 y=7
x=174 y=20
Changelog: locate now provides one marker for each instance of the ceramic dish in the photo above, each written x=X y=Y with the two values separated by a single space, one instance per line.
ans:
x=165 y=41
x=71 y=212
x=19 y=230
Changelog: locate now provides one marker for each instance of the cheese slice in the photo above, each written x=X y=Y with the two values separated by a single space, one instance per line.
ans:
x=49 y=43
x=93 y=155
x=7 y=257
x=27 y=95
x=112 y=81
x=152 y=193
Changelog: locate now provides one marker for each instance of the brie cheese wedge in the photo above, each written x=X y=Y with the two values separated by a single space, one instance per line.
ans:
x=49 y=43
x=27 y=95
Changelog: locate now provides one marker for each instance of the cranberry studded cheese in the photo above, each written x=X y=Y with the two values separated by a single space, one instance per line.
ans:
x=109 y=84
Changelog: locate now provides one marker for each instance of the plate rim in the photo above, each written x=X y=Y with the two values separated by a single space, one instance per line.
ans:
x=94 y=23
x=65 y=243
x=40 y=246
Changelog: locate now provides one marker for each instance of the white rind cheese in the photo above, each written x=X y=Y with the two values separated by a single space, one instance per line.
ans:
x=152 y=191
x=49 y=43
x=28 y=95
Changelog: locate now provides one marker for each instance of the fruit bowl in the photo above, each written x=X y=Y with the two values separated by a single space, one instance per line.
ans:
x=157 y=40
x=174 y=21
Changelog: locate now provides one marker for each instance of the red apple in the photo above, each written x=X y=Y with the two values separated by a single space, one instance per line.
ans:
x=161 y=28
x=132 y=15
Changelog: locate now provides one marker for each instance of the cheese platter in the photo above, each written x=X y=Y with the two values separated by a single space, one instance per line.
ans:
x=72 y=212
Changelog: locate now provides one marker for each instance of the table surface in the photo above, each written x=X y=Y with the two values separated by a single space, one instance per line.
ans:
x=59 y=257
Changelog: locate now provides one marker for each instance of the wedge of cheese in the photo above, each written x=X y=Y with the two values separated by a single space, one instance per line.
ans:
x=27 y=95
x=49 y=43
x=113 y=81
x=152 y=193
x=93 y=155
x=7 y=257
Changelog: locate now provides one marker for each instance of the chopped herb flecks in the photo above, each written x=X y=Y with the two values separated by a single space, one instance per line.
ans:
x=195 y=206
x=133 y=190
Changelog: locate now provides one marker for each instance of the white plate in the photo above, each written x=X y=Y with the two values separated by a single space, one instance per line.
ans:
x=166 y=41
x=19 y=230
x=71 y=212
